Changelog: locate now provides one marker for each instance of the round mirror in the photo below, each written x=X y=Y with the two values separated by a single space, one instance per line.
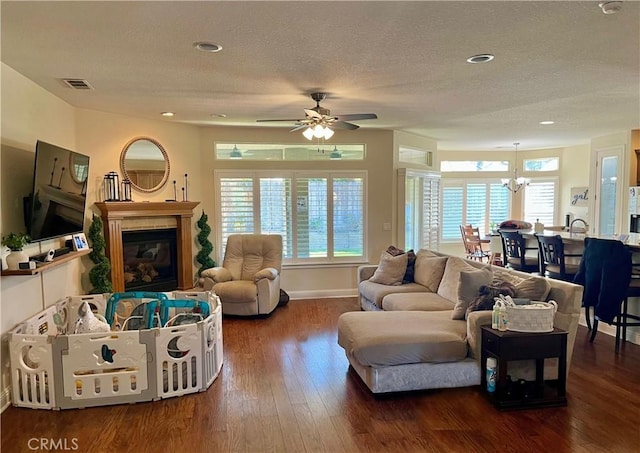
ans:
x=145 y=163
x=79 y=165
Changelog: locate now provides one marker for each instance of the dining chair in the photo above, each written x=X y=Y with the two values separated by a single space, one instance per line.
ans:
x=514 y=248
x=552 y=258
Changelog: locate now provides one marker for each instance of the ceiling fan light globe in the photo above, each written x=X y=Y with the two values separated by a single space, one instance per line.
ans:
x=318 y=131
x=308 y=133
x=328 y=133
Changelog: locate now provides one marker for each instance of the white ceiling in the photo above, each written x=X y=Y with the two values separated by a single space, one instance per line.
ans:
x=404 y=61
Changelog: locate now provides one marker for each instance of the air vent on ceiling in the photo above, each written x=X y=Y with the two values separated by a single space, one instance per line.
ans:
x=77 y=84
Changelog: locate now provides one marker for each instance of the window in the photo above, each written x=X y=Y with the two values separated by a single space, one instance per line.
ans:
x=544 y=164
x=320 y=215
x=477 y=202
x=540 y=201
x=421 y=208
x=288 y=152
x=415 y=156
x=480 y=165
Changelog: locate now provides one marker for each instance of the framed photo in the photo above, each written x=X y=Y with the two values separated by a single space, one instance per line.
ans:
x=79 y=242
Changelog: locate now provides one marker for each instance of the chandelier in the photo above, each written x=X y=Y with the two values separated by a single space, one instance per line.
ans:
x=514 y=184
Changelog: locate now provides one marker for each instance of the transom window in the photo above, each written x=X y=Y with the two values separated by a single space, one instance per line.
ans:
x=543 y=164
x=289 y=152
x=320 y=215
x=473 y=165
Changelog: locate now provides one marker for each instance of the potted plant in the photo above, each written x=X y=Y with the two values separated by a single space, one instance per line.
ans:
x=16 y=242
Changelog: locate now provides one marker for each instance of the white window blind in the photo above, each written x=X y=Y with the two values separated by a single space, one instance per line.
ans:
x=480 y=203
x=452 y=212
x=275 y=210
x=540 y=202
x=320 y=216
x=348 y=216
x=236 y=206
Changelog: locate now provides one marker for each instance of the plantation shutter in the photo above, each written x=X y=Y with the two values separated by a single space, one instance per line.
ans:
x=348 y=216
x=236 y=206
x=431 y=212
x=498 y=204
x=275 y=211
x=311 y=217
x=539 y=202
x=452 y=213
x=476 y=204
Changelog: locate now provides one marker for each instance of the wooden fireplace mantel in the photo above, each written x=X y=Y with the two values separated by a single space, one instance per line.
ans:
x=114 y=213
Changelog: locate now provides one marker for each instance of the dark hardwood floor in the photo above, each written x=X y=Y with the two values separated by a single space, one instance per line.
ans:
x=286 y=387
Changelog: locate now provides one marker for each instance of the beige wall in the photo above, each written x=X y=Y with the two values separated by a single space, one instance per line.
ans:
x=317 y=281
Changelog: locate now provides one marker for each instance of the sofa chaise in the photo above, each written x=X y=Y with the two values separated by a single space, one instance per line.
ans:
x=422 y=334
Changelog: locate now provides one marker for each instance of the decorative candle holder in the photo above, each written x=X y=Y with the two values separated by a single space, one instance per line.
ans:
x=126 y=189
x=111 y=186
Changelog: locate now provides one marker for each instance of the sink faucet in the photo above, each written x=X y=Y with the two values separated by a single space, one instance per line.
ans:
x=586 y=226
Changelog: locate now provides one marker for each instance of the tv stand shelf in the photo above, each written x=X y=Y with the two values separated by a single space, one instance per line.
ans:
x=40 y=267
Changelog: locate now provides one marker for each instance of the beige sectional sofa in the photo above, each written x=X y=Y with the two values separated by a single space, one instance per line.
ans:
x=418 y=335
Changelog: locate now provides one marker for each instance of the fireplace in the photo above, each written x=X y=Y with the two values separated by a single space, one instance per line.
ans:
x=150 y=260
x=121 y=218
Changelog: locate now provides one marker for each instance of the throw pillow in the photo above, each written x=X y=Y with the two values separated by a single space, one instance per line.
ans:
x=411 y=260
x=429 y=269
x=534 y=288
x=487 y=294
x=468 y=288
x=390 y=270
x=448 y=287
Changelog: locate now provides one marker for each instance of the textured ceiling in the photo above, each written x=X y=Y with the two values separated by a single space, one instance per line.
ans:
x=404 y=61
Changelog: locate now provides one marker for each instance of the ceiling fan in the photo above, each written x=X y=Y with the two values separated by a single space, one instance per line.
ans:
x=318 y=120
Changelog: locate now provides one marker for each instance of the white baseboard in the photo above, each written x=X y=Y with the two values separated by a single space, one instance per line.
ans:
x=5 y=399
x=322 y=294
x=632 y=337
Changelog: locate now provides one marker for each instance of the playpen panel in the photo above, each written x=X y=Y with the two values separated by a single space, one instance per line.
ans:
x=32 y=372
x=105 y=364
x=178 y=360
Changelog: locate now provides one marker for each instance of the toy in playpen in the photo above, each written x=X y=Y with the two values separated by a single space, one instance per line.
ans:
x=168 y=345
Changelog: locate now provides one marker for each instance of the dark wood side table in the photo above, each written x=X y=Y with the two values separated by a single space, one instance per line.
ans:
x=506 y=346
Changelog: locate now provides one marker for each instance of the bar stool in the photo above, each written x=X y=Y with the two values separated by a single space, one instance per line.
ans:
x=552 y=258
x=514 y=251
x=605 y=273
x=623 y=318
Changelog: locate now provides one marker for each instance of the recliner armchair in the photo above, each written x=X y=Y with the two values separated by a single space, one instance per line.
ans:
x=248 y=283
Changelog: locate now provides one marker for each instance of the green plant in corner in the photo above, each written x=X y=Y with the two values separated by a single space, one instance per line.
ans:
x=100 y=274
x=16 y=241
x=204 y=255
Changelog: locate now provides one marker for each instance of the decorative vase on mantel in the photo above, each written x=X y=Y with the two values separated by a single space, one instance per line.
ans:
x=16 y=242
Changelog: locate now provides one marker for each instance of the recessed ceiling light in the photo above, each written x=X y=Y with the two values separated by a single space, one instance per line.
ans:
x=167 y=114
x=546 y=123
x=218 y=115
x=207 y=46
x=481 y=58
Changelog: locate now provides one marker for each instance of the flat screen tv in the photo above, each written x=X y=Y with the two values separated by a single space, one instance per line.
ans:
x=58 y=199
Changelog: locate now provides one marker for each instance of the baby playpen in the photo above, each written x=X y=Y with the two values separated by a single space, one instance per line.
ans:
x=160 y=345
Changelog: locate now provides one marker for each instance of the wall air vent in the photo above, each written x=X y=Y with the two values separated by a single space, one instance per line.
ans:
x=77 y=84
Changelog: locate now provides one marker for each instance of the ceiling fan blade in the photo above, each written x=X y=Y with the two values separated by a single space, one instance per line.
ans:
x=344 y=125
x=290 y=121
x=357 y=116
x=297 y=128
x=312 y=113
